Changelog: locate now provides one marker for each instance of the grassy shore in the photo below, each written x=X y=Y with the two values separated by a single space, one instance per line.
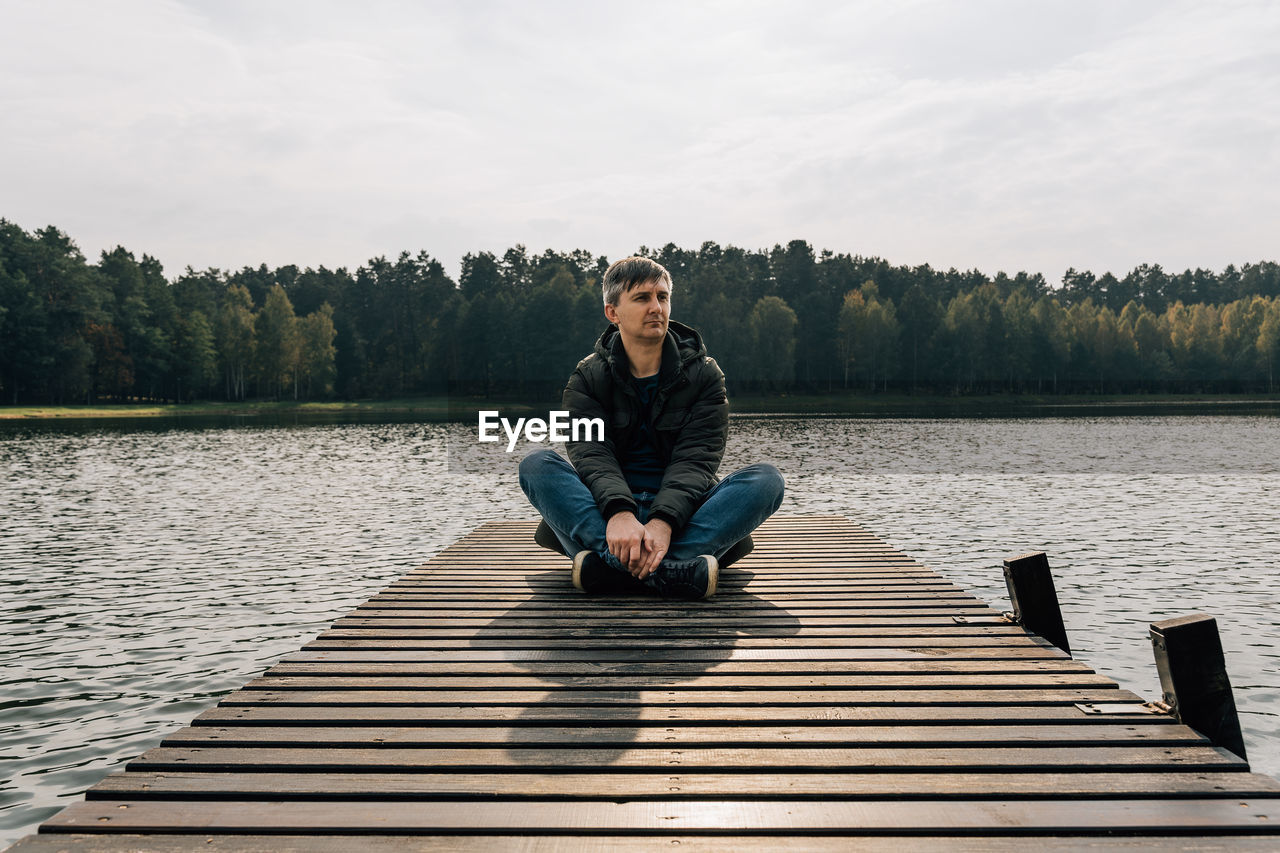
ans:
x=872 y=404
x=446 y=408
x=427 y=406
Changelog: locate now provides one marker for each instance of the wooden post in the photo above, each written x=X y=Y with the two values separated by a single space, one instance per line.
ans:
x=1035 y=602
x=1193 y=676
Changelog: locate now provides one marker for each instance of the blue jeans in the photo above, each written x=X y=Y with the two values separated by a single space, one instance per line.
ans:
x=733 y=508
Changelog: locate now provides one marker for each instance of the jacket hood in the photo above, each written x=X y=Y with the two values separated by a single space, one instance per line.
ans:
x=683 y=344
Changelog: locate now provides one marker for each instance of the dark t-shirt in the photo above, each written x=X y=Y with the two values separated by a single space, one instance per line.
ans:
x=640 y=463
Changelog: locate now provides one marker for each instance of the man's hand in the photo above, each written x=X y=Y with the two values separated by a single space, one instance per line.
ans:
x=657 y=539
x=625 y=535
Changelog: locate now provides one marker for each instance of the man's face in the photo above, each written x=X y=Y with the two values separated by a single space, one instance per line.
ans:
x=642 y=313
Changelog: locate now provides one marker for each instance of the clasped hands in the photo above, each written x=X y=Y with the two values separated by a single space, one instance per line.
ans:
x=639 y=547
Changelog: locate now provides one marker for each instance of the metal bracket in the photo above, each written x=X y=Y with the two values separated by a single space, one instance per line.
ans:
x=981 y=620
x=1097 y=708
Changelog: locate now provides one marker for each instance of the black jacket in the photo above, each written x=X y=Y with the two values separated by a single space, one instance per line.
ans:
x=690 y=417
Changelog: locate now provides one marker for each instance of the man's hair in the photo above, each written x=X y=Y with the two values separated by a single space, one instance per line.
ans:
x=627 y=273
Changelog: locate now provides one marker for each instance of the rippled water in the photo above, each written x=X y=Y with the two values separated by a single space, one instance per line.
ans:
x=150 y=568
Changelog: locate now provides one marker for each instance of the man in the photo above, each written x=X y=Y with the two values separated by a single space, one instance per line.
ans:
x=643 y=507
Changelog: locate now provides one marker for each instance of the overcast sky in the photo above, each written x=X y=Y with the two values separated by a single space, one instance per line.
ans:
x=997 y=135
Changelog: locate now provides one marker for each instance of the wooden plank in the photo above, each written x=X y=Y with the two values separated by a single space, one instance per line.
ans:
x=826 y=596
x=722 y=657
x=779 y=577
x=425 y=715
x=857 y=586
x=783 y=568
x=675 y=696
x=723 y=759
x=427 y=608
x=518 y=558
x=854 y=682
x=791 y=817
x=571 y=597
x=502 y=559
x=721 y=645
x=682 y=785
x=498 y=559
x=774 y=581
x=775 y=528
x=294 y=666
x=712 y=621
x=889 y=582
x=511 y=566
x=821 y=595
x=755 y=595
x=551 y=566
x=706 y=736
x=542 y=618
x=519 y=554
x=940 y=628
x=814 y=536
x=782 y=573
x=838 y=554
x=211 y=842
x=771 y=533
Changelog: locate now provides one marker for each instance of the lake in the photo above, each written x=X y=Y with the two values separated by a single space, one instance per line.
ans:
x=150 y=567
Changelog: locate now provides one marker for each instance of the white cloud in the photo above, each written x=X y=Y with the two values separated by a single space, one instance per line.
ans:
x=998 y=135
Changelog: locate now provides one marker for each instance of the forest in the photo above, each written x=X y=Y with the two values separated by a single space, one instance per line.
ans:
x=782 y=320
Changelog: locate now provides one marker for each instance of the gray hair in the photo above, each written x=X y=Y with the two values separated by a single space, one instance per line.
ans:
x=627 y=273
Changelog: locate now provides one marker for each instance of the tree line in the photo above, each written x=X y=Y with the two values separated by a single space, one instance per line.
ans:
x=785 y=319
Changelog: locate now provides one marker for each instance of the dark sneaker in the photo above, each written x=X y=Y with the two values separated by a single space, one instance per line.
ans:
x=594 y=576
x=689 y=580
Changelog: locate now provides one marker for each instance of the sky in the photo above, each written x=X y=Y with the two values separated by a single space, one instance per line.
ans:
x=1030 y=135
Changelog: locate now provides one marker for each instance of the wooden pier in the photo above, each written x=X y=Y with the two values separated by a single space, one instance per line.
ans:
x=834 y=689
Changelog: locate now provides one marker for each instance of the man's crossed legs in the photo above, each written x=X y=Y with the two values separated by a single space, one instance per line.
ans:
x=732 y=509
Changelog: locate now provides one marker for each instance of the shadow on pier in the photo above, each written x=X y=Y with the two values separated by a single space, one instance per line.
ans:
x=630 y=658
